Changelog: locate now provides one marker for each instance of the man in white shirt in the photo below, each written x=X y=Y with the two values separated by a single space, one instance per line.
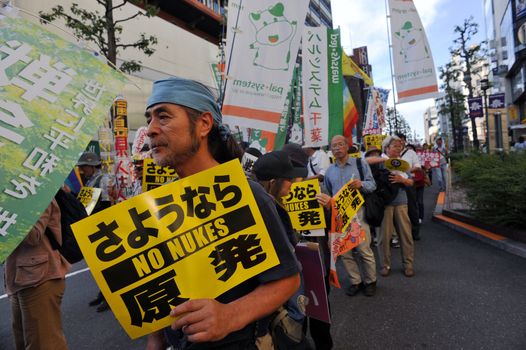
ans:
x=318 y=163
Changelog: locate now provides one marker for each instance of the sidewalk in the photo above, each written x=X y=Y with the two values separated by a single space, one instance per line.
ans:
x=454 y=201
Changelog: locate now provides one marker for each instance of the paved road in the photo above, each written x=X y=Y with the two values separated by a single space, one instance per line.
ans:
x=465 y=295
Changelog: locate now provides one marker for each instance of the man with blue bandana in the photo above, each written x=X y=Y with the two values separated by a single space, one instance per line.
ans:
x=186 y=132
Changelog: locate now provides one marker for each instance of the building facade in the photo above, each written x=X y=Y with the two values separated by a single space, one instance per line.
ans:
x=506 y=34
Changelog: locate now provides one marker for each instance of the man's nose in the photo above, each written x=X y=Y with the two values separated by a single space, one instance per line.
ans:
x=152 y=128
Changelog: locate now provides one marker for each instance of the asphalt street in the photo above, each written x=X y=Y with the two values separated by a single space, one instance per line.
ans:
x=465 y=295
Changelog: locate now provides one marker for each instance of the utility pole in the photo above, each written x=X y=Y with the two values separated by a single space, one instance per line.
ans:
x=484 y=86
x=467 y=81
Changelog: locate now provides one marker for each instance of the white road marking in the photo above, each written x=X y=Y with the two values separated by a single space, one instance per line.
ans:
x=3 y=296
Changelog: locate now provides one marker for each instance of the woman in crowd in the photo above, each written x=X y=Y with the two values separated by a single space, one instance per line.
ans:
x=396 y=213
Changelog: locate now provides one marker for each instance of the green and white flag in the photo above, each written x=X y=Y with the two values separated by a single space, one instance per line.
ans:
x=322 y=85
x=53 y=96
x=263 y=38
x=414 y=71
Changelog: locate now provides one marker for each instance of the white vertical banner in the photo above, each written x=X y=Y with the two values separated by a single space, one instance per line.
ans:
x=315 y=87
x=263 y=39
x=414 y=70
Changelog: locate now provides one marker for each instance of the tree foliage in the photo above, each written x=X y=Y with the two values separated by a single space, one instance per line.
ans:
x=470 y=55
x=396 y=123
x=495 y=187
x=454 y=102
x=104 y=30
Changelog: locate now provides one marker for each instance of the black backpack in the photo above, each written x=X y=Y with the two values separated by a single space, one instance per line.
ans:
x=71 y=211
x=374 y=204
x=384 y=188
x=384 y=194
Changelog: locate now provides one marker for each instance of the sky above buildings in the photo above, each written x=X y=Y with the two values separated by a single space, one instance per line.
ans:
x=363 y=23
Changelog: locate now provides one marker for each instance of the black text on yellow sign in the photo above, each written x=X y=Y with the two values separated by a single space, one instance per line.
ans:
x=304 y=210
x=374 y=141
x=154 y=176
x=194 y=238
x=348 y=201
x=89 y=197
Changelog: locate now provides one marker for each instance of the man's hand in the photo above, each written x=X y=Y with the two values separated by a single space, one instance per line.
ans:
x=356 y=184
x=204 y=320
x=324 y=199
x=374 y=160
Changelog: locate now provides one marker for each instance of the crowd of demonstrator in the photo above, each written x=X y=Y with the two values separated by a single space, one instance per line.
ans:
x=186 y=133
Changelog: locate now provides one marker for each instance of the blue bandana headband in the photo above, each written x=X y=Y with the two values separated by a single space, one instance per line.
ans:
x=188 y=93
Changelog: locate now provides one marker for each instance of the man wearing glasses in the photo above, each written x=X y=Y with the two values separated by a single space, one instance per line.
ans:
x=337 y=175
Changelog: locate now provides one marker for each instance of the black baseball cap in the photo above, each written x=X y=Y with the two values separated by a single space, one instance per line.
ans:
x=275 y=165
x=297 y=156
x=89 y=158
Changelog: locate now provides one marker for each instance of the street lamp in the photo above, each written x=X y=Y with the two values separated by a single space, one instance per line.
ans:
x=484 y=86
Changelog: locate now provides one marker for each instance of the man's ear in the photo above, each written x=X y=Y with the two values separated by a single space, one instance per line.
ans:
x=205 y=124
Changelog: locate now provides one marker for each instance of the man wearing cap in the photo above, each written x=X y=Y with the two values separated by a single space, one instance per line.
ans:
x=89 y=166
x=296 y=154
x=345 y=169
x=276 y=172
x=186 y=132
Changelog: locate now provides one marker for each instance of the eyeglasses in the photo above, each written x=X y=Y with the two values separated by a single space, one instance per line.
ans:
x=338 y=145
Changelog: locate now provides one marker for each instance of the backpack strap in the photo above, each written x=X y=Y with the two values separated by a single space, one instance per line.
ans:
x=404 y=152
x=312 y=167
x=360 y=167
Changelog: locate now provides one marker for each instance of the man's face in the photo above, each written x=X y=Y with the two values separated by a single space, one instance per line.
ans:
x=172 y=136
x=86 y=171
x=439 y=142
x=339 y=147
x=137 y=171
x=285 y=187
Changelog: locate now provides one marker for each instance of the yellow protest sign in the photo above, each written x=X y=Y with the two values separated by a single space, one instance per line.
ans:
x=154 y=176
x=373 y=140
x=355 y=155
x=304 y=210
x=347 y=202
x=89 y=196
x=396 y=164
x=197 y=237
x=332 y=160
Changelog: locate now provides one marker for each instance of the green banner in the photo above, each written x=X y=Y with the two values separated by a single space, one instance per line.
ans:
x=53 y=96
x=281 y=136
x=335 y=82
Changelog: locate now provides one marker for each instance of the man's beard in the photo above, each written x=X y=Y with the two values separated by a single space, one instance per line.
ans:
x=182 y=156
